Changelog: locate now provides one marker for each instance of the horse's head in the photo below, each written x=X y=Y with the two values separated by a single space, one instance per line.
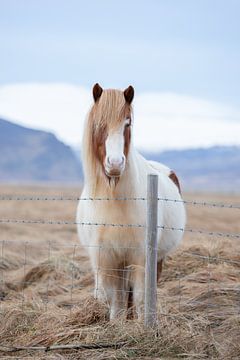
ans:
x=111 y=120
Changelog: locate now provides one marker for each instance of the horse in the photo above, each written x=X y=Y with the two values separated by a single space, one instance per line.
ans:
x=113 y=171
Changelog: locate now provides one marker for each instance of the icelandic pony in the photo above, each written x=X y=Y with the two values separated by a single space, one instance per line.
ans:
x=113 y=168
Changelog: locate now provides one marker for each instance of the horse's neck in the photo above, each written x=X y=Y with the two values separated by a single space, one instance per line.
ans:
x=127 y=185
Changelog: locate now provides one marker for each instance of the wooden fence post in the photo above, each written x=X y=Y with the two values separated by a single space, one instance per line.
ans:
x=150 y=316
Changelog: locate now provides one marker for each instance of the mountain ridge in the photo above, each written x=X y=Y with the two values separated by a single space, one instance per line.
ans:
x=216 y=168
x=36 y=156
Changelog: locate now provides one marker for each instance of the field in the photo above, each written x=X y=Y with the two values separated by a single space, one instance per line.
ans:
x=46 y=288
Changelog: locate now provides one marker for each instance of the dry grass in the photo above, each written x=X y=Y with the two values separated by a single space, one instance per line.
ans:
x=46 y=288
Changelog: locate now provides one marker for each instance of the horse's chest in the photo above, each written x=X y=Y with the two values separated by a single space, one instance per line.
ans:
x=124 y=213
x=119 y=224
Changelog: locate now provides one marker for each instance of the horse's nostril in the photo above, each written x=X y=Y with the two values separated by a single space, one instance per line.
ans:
x=108 y=161
x=122 y=160
x=115 y=162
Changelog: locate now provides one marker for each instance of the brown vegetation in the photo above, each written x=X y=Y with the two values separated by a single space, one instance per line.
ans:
x=46 y=288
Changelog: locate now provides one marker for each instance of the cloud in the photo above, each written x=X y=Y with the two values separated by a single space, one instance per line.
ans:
x=162 y=120
x=166 y=121
x=56 y=107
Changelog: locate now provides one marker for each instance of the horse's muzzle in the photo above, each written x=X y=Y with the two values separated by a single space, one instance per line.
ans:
x=113 y=173
x=114 y=167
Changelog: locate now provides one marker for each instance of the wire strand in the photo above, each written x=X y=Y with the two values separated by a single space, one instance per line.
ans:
x=161 y=227
x=72 y=198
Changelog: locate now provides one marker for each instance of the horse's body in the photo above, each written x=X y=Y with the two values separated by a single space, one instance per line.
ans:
x=117 y=253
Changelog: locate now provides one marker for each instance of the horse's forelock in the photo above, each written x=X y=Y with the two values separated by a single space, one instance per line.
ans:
x=110 y=110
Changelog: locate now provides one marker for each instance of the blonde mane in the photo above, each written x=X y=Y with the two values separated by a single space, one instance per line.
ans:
x=104 y=117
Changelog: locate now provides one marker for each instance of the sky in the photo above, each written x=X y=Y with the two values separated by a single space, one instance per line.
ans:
x=182 y=57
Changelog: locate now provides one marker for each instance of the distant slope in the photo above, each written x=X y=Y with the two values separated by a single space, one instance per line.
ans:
x=212 y=169
x=209 y=169
x=28 y=155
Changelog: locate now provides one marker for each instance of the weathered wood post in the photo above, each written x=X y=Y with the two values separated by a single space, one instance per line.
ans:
x=150 y=317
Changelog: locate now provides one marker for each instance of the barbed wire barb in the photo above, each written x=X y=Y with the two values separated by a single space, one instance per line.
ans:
x=63 y=222
x=77 y=198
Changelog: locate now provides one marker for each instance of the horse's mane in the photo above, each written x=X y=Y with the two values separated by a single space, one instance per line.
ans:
x=104 y=116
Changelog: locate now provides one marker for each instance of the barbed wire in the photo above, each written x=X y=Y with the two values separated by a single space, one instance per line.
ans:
x=202 y=232
x=63 y=222
x=202 y=203
x=77 y=198
x=161 y=227
x=189 y=304
x=183 y=301
x=210 y=258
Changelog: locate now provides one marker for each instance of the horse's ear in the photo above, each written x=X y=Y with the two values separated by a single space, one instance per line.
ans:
x=97 y=92
x=129 y=94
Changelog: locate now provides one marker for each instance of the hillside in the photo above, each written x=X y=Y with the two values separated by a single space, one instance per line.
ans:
x=29 y=155
x=212 y=169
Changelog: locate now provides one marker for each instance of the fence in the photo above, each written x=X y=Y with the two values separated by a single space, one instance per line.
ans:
x=150 y=245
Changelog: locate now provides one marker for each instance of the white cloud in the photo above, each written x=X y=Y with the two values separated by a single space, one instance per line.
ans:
x=162 y=120
x=168 y=120
x=56 y=107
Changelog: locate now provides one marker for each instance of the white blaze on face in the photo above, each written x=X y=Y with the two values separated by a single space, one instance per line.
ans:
x=115 y=159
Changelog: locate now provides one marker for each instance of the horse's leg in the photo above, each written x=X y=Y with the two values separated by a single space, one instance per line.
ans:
x=122 y=294
x=94 y=254
x=100 y=290
x=119 y=298
x=110 y=284
x=130 y=304
x=139 y=288
x=138 y=292
x=114 y=291
x=159 y=269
